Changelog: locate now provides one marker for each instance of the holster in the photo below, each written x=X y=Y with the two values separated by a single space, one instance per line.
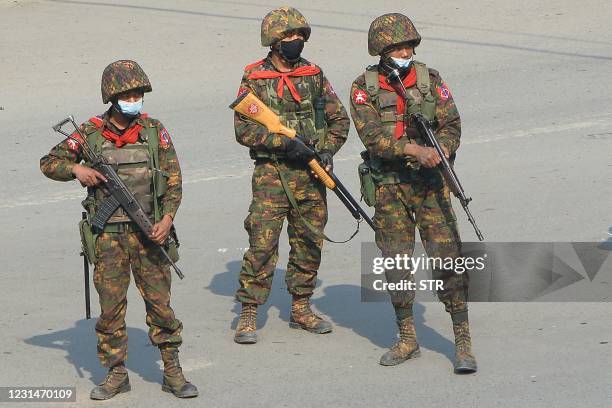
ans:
x=88 y=241
x=366 y=180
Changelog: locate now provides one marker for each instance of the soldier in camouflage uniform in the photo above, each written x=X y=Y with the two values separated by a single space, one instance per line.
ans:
x=128 y=138
x=299 y=93
x=410 y=191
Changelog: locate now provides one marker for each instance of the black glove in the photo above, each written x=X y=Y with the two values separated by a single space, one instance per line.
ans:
x=327 y=159
x=298 y=150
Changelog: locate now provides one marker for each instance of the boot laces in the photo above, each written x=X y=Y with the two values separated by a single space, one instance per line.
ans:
x=248 y=315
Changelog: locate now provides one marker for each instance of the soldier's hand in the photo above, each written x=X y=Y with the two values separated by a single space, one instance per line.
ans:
x=161 y=230
x=87 y=176
x=327 y=160
x=428 y=156
x=445 y=150
x=298 y=150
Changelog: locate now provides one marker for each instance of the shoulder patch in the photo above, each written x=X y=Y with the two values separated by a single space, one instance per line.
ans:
x=242 y=90
x=164 y=138
x=74 y=142
x=360 y=96
x=443 y=91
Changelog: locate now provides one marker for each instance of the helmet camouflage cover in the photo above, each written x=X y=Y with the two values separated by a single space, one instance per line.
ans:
x=122 y=76
x=389 y=30
x=281 y=20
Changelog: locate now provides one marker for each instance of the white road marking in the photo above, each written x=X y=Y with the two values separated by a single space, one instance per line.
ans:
x=198 y=176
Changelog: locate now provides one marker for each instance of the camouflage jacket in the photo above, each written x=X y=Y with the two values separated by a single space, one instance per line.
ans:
x=366 y=114
x=257 y=137
x=58 y=164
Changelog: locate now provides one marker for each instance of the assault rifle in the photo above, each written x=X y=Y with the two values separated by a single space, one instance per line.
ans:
x=119 y=194
x=253 y=108
x=425 y=130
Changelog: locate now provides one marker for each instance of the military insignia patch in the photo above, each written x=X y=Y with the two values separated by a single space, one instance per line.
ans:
x=74 y=142
x=242 y=90
x=164 y=139
x=360 y=97
x=73 y=145
x=443 y=91
x=253 y=109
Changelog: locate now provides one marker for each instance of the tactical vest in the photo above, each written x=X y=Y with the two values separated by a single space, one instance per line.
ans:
x=421 y=101
x=138 y=166
x=306 y=117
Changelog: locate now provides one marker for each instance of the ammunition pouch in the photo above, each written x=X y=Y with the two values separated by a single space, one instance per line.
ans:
x=375 y=172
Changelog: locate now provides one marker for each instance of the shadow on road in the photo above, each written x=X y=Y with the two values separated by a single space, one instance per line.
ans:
x=376 y=320
x=342 y=304
x=226 y=284
x=79 y=343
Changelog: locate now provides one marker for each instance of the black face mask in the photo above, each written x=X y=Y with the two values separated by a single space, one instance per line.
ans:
x=291 y=50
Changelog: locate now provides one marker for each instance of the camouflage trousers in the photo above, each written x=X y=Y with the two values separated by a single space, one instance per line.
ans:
x=269 y=208
x=423 y=203
x=117 y=254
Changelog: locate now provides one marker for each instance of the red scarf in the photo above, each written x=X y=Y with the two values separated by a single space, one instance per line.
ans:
x=129 y=136
x=284 y=78
x=408 y=81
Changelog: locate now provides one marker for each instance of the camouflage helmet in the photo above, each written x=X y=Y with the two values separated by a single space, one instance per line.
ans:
x=122 y=76
x=389 y=30
x=277 y=22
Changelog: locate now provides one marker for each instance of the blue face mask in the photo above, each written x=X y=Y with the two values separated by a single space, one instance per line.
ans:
x=402 y=63
x=130 y=108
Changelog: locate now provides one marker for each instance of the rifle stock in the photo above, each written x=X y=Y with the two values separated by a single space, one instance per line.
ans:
x=253 y=108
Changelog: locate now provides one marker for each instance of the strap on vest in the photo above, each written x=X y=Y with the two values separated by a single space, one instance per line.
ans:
x=153 y=144
x=422 y=73
x=372 y=85
x=95 y=140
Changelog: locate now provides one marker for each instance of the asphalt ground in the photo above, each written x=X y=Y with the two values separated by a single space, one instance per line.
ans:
x=531 y=80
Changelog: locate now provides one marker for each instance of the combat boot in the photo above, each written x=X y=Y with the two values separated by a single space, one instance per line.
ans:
x=302 y=317
x=465 y=362
x=406 y=347
x=116 y=381
x=247 y=325
x=174 y=380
